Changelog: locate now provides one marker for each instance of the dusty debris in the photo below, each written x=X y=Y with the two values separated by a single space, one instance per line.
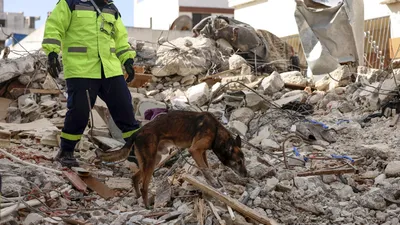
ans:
x=227 y=200
x=263 y=102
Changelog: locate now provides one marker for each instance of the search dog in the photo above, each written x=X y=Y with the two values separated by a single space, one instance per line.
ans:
x=198 y=131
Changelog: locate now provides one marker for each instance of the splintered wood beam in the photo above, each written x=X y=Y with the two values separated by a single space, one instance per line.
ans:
x=326 y=172
x=235 y=204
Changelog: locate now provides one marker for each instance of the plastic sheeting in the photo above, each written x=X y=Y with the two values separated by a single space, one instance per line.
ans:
x=331 y=36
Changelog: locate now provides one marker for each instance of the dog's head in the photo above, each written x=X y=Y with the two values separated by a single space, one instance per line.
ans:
x=236 y=160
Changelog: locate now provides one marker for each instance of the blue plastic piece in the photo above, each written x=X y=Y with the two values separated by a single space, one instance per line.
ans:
x=342 y=121
x=296 y=152
x=342 y=157
x=320 y=123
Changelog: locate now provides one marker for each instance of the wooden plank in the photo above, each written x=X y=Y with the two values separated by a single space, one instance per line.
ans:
x=235 y=204
x=394 y=45
x=100 y=188
x=4 y=104
x=326 y=172
x=218 y=75
x=75 y=180
x=140 y=80
x=5 y=139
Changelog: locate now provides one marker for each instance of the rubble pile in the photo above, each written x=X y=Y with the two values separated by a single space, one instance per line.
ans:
x=321 y=152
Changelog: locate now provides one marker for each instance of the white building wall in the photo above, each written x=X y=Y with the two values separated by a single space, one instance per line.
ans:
x=162 y=12
x=205 y=3
x=212 y=14
x=14 y=20
x=395 y=20
x=277 y=16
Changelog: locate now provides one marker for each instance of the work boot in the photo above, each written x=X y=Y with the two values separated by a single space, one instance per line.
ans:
x=67 y=159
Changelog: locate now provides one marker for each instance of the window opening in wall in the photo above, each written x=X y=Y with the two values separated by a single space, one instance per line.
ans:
x=197 y=17
x=3 y=23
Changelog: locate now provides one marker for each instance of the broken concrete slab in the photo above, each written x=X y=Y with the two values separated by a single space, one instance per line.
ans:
x=255 y=102
x=243 y=115
x=393 y=169
x=283 y=101
x=198 y=94
x=4 y=104
x=272 y=84
x=340 y=77
x=146 y=104
x=106 y=143
x=370 y=75
x=16 y=67
x=5 y=139
x=163 y=193
x=122 y=183
x=188 y=80
x=39 y=127
x=246 y=79
x=27 y=104
x=294 y=77
x=238 y=127
x=236 y=62
x=268 y=143
x=49 y=140
x=323 y=84
x=33 y=218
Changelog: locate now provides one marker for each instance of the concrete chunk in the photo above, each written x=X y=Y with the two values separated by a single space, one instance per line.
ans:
x=119 y=183
x=393 y=169
x=272 y=84
x=243 y=115
x=198 y=94
x=239 y=127
x=14 y=68
x=294 y=77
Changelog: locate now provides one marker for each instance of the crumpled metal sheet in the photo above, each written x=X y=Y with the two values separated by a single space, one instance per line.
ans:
x=331 y=36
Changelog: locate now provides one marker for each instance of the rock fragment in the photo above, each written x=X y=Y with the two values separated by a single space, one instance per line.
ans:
x=198 y=94
x=393 y=169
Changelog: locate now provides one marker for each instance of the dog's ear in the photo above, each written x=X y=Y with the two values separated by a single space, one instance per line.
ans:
x=238 y=141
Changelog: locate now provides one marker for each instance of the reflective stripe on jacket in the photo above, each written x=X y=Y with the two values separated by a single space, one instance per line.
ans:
x=75 y=25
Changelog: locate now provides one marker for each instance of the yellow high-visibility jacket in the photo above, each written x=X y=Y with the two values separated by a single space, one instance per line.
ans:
x=75 y=27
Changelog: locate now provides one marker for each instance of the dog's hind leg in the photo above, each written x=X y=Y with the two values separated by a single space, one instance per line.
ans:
x=138 y=175
x=136 y=181
x=149 y=158
x=205 y=158
x=147 y=175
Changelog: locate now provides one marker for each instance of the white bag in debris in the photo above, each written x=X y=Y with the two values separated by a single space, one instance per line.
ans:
x=186 y=56
x=331 y=36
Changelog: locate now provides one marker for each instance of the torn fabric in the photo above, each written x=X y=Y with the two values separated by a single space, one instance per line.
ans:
x=331 y=36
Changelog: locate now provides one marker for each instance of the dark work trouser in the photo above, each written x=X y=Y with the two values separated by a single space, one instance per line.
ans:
x=113 y=91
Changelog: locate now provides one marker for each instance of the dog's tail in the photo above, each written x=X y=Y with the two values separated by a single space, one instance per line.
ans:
x=117 y=155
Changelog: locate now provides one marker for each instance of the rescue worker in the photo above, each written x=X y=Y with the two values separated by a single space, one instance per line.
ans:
x=94 y=45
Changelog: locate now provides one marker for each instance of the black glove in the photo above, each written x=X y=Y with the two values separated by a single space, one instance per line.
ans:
x=54 y=64
x=129 y=70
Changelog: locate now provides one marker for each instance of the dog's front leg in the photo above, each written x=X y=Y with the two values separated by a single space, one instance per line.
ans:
x=197 y=155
